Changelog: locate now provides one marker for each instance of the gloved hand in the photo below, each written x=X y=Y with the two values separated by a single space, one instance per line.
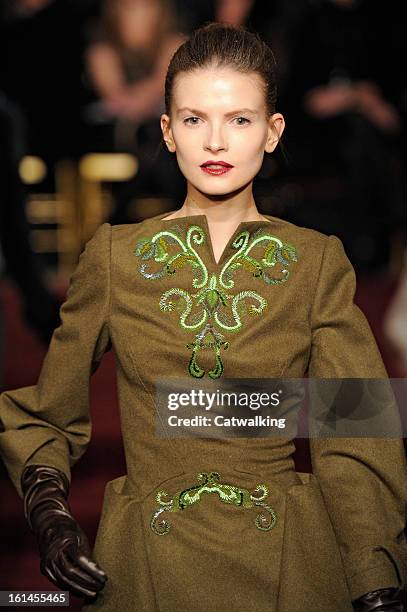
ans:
x=382 y=599
x=64 y=548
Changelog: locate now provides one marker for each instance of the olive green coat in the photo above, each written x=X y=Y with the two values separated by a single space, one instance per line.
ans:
x=339 y=531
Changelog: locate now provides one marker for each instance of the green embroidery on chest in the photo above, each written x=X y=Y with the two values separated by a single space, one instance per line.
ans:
x=229 y=494
x=212 y=307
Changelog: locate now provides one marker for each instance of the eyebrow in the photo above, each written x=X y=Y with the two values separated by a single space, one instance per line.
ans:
x=235 y=112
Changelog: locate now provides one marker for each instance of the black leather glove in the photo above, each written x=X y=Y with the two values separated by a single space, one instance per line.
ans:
x=64 y=548
x=382 y=599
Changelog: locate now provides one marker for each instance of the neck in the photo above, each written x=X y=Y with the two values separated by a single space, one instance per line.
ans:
x=225 y=209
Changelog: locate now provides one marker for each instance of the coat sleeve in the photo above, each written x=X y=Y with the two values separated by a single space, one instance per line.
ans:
x=363 y=479
x=49 y=423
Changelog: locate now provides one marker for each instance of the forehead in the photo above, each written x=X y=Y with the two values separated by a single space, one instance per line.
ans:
x=217 y=86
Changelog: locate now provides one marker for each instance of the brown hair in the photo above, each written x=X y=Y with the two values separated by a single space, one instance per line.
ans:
x=222 y=44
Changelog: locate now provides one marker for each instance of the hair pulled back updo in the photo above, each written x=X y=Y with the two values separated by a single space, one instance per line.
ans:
x=224 y=45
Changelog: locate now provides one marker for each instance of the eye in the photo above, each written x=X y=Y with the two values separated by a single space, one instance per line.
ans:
x=188 y=120
x=244 y=120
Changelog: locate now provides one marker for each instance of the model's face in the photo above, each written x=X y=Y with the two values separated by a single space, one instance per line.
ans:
x=219 y=114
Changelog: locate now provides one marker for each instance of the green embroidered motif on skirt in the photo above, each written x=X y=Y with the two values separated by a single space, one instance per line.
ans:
x=213 y=308
x=229 y=494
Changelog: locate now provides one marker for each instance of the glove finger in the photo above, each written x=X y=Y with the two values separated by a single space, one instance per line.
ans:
x=93 y=568
x=71 y=586
x=81 y=556
x=70 y=569
x=50 y=571
x=87 y=564
x=46 y=571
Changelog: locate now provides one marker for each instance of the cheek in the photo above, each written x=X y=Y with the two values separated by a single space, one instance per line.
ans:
x=248 y=153
x=189 y=150
x=248 y=144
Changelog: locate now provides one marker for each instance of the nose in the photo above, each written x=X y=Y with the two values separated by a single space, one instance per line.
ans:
x=215 y=139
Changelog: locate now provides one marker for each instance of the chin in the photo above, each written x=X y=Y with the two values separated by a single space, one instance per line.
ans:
x=218 y=191
x=219 y=186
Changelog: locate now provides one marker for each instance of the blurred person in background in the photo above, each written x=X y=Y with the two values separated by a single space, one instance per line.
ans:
x=127 y=59
x=40 y=92
x=267 y=17
x=253 y=14
x=234 y=12
x=40 y=69
x=347 y=119
x=40 y=307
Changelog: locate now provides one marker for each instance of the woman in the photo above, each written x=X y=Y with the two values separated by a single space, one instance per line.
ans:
x=127 y=63
x=128 y=58
x=179 y=296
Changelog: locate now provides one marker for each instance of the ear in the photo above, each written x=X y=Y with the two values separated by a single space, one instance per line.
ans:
x=165 y=123
x=275 y=130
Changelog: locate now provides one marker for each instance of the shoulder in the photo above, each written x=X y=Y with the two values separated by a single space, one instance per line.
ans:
x=120 y=232
x=318 y=254
x=127 y=235
x=299 y=236
x=120 y=236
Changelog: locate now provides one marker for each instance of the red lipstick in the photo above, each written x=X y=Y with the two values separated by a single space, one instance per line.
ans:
x=216 y=167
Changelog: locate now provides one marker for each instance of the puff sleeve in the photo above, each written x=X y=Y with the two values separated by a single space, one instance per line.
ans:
x=49 y=423
x=363 y=480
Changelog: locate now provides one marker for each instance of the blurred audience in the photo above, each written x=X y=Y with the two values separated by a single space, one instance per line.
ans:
x=37 y=116
x=40 y=306
x=268 y=18
x=127 y=59
x=235 y=12
x=345 y=114
x=40 y=67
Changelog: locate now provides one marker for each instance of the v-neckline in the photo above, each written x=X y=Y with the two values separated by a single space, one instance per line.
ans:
x=190 y=219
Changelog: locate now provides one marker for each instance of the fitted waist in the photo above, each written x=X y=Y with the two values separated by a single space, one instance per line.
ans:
x=251 y=459
x=243 y=463
x=280 y=480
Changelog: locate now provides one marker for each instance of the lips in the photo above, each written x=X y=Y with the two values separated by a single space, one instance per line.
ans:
x=216 y=164
x=216 y=167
